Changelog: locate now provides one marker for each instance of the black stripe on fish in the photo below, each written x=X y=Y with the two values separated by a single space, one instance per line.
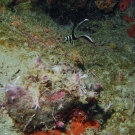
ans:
x=73 y=36
x=69 y=38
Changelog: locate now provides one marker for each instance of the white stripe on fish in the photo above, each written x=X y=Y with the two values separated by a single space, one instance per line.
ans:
x=73 y=37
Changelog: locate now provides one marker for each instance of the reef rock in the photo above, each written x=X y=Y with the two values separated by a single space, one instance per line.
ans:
x=49 y=96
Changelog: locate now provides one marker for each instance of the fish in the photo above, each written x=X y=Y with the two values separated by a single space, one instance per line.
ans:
x=69 y=38
x=72 y=37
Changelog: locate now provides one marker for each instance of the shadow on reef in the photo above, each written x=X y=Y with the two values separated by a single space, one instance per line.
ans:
x=64 y=12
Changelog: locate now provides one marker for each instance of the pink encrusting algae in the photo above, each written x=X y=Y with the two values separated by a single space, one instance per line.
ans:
x=50 y=97
x=56 y=96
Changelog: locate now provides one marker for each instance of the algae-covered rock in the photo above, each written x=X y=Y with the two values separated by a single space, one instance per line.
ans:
x=49 y=95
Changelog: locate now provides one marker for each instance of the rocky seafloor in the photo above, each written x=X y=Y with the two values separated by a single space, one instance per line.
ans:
x=26 y=36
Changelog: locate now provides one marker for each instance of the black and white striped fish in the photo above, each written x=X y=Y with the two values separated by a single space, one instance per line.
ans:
x=69 y=38
x=73 y=37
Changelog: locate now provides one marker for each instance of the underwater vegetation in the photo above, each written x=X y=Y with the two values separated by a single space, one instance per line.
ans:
x=49 y=86
x=52 y=96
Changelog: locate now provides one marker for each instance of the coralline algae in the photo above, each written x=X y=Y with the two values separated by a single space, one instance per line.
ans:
x=49 y=95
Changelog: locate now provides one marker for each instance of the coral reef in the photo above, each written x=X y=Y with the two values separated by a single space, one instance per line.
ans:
x=51 y=93
x=128 y=19
x=48 y=92
x=76 y=127
x=105 y=5
x=131 y=31
x=124 y=4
